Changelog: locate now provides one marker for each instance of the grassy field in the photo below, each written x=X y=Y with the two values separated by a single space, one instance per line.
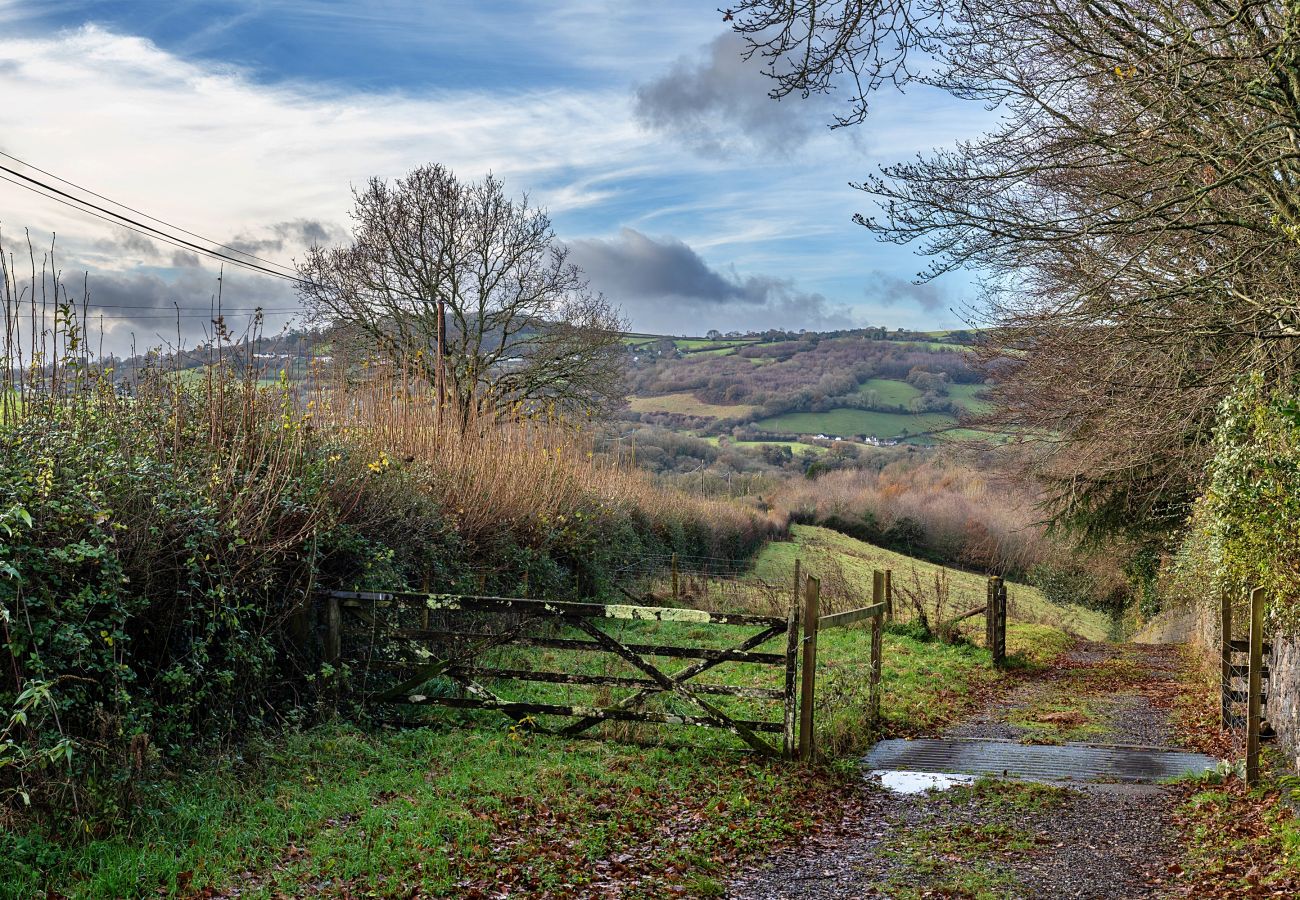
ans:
x=470 y=803
x=856 y=421
x=888 y=392
x=965 y=395
x=796 y=447
x=686 y=404
x=845 y=565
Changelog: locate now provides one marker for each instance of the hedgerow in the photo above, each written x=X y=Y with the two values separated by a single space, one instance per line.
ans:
x=159 y=554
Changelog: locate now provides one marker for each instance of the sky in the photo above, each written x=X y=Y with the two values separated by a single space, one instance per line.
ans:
x=691 y=199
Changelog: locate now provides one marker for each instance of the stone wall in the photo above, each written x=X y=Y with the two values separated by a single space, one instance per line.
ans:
x=1282 y=696
x=1200 y=628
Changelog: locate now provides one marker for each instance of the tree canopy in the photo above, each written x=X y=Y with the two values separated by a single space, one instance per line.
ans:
x=458 y=283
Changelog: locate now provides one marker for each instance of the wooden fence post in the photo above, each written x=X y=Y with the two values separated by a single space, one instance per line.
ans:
x=889 y=595
x=879 y=595
x=791 y=669
x=1225 y=702
x=811 y=613
x=990 y=613
x=676 y=591
x=995 y=621
x=333 y=628
x=1255 y=685
x=1000 y=627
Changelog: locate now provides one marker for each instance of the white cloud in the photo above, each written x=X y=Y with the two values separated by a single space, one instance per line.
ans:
x=213 y=149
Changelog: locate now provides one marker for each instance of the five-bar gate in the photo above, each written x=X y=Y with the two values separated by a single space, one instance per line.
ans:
x=419 y=645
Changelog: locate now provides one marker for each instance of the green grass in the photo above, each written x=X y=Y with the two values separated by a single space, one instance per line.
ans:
x=418 y=811
x=846 y=564
x=888 y=392
x=696 y=345
x=933 y=345
x=686 y=404
x=967 y=838
x=473 y=801
x=844 y=421
x=964 y=394
x=796 y=447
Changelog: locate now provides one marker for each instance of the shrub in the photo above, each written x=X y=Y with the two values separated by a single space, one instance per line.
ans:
x=160 y=554
x=1242 y=531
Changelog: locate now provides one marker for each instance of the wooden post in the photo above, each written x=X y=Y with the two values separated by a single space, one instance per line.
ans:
x=1000 y=626
x=333 y=627
x=877 y=664
x=424 y=607
x=1255 y=685
x=995 y=621
x=811 y=613
x=676 y=591
x=889 y=595
x=1225 y=632
x=990 y=613
x=525 y=584
x=791 y=669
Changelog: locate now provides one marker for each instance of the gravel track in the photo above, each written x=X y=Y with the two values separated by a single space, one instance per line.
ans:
x=1096 y=841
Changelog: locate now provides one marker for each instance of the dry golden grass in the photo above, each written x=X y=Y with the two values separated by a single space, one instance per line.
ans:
x=494 y=474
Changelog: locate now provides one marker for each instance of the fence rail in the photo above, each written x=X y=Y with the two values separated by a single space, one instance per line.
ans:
x=376 y=627
x=422 y=644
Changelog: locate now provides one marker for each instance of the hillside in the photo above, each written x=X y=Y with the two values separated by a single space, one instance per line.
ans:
x=864 y=387
x=845 y=565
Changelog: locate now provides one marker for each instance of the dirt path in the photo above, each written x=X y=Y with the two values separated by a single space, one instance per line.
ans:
x=1012 y=839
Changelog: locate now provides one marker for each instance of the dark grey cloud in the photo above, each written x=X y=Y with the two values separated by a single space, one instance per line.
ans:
x=717 y=103
x=141 y=308
x=890 y=290
x=664 y=285
x=297 y=234
x=129 y=244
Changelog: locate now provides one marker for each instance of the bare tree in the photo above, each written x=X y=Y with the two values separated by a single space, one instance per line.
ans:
x=458 y=283
x=1133 y=211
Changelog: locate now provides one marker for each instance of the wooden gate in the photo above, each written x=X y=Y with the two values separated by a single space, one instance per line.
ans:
x=1243 y=662
x=814 y=622
x=438 y=648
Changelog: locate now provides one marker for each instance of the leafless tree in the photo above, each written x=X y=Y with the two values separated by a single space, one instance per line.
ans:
x=1133 y=213
x=458 y=283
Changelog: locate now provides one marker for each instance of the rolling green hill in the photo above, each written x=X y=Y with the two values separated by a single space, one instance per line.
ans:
x=856 y=421
x=845 y=565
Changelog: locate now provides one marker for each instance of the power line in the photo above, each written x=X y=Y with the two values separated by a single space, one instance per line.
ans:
x=35 y=185
x=171 y=317
x=195 y=308
x=112 y=221
x=140 y=213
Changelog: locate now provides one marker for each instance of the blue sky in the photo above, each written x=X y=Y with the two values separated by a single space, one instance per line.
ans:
x=637 y=125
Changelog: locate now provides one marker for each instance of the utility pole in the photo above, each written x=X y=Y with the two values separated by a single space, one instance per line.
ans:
x=440 y=377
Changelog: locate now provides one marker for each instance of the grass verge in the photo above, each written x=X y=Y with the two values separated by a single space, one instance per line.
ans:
x=447 y=812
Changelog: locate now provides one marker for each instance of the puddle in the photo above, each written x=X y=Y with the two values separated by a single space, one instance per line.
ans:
x=918 y=782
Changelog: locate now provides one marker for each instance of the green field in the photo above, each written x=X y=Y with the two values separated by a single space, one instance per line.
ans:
x=845 y=565
x=934 y=345
x=697 y=345
x=796 y=447
x=685 y=404
x=964 y=394
x=888 y=392
x=845 y=421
